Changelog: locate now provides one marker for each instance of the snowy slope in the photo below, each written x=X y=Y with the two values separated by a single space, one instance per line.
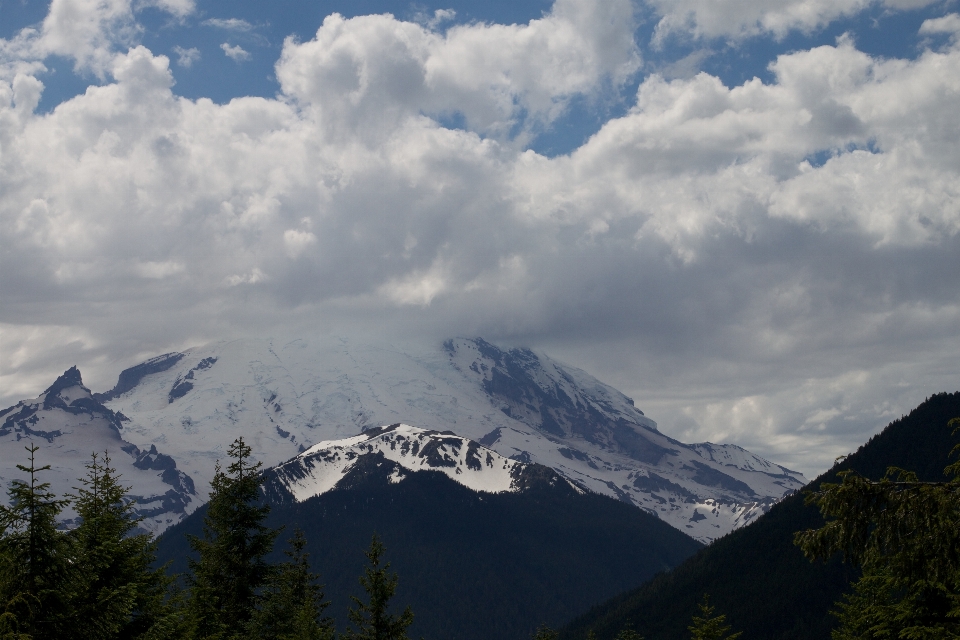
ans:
x=285 y=396
x=531 y=387
x=322 y=467
x=69 y=425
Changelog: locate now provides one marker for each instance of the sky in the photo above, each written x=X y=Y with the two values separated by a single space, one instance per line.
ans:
x=742 y=213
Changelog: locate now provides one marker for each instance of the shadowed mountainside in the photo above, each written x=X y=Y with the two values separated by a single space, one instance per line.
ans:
x=473 y=565
x=755 y=575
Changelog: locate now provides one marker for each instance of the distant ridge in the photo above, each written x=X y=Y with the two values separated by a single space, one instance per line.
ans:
x=755 y=575
x=325 y=466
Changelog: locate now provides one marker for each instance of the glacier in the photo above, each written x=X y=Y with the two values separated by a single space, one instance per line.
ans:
x=288 y=397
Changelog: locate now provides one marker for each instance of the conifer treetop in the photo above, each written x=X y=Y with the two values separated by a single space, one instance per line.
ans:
x=707 y=626
x=373 y=620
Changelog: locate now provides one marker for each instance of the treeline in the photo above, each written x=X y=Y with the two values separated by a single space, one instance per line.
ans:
x=706 y=624
x=98 y=580
x=904 y=535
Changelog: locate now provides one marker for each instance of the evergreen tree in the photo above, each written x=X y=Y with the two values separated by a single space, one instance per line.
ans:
x=869 y=609
x=707 y=626
x=628 y=634
x=231 y=569
x=293 y=602
x=118 y=594
x=373 y=620
x=905 y=534
x=544 y=632
x=37 y=572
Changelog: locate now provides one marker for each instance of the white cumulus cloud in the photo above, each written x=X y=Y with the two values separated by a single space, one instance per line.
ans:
x=90 y=32
x=771 y=263
x=372 y=73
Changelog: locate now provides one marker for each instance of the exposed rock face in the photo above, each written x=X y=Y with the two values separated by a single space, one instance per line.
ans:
x=129 y=378
x=70 y=424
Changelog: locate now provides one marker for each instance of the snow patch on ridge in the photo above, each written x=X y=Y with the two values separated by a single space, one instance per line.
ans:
x=319 y=469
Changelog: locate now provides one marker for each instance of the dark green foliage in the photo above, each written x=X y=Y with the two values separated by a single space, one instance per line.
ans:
x=905 y=534
x=625 y=634
x=232 y=566
x=117 y=593
x=372 y=619
x=544 y=632
x=37 y=574
x=97 y=581
x=477 y=566
x=293 y=605
x=708 y=626
x=94 y=582
x=764 y=584
x=877 y=608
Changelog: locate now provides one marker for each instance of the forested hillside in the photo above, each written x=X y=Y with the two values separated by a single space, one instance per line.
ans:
x=472 y=565
x=755 y=575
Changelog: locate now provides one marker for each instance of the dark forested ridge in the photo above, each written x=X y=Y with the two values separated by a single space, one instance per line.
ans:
x=755 y=575
x=473 y=565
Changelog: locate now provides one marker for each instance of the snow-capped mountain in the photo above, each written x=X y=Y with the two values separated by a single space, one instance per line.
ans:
x=324 y=466
x=70 y=424
x=485 y=546
x=285 y=396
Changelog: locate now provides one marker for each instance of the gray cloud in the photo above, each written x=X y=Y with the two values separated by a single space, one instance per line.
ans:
x=690 y=252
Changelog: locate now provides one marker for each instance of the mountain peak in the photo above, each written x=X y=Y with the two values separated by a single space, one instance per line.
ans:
x=324 y=466
x=68 y=422
x=69 y=378
x=54 y=396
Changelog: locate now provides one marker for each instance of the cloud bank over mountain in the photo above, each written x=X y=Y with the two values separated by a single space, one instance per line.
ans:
x=772 y=263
